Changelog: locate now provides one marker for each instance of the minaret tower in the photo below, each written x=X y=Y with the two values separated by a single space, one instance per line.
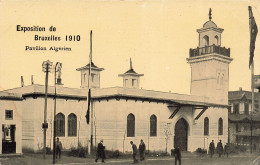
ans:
x=210 y=64
x=131 y=79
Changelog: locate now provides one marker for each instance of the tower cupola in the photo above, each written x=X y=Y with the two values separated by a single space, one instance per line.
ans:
x=210 y=34
x=94 y=77
x=131 y=79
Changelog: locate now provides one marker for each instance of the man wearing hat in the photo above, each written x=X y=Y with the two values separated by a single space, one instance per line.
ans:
x=100 y=152
x=134 y=151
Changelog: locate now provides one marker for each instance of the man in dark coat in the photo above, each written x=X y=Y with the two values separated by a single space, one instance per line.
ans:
x=58 y=148
x=134 y=151
x=227 y=149
x=177 y=154
x=219 y=148
x=100 y=152
x=211 y=148
x=141 y=149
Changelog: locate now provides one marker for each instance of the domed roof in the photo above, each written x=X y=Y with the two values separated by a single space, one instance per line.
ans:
x=209 y=24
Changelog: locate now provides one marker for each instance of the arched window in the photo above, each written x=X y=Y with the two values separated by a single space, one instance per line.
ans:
x=206 y=40
x=153 y=125
x=206 y=126
x=60 y=124
x=216 y=40
x=72 y=125
x=220 y=126
x=130 y=125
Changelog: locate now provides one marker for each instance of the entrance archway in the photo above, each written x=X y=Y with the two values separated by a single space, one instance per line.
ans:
x=181 y=134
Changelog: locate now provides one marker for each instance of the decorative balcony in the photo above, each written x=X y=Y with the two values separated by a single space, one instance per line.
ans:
x=210 y=49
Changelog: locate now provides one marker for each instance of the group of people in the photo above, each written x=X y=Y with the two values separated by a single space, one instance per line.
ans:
x=141 y=150
x=101 y=151
x=220 y=150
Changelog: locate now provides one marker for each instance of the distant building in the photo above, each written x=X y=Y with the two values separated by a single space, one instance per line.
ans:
x=119 y=115
x=240 y=114
x=11 y=123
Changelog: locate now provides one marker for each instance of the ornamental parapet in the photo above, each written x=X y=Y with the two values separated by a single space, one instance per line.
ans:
x=210 y=49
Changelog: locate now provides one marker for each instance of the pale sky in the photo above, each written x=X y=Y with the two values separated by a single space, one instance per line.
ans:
x=157 y=35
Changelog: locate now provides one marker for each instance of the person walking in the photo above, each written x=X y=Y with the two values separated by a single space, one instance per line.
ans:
x=141 y=149
x=58 y=148
x=100 y=152
x=134 y=152
x=177 y=154
x=219 y=148
x=211 y=148
x=227 y=149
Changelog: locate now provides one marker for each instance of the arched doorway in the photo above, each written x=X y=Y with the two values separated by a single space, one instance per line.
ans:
x=181 y=134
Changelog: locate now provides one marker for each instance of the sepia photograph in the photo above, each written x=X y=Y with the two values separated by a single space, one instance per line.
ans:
x=130 y=82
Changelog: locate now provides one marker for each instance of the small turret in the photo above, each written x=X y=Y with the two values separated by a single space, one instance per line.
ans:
x=131 y=79
x=94 y=78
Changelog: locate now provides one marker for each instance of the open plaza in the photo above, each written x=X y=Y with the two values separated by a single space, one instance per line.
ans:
x=187 y=159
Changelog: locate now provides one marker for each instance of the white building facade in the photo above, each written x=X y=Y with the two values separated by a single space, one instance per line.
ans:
x=119 y=115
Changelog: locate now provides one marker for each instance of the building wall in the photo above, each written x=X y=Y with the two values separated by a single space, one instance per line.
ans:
x=32 y=122
x=17 y=121
x=111 y=124
x=213 y=114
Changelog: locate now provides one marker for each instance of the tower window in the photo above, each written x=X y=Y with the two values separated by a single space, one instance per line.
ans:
x=222 y=79
x=216 y=40
x=85 y=77
x=92 y=77
x=126 y=82
x=133 y=82
x=206 y=40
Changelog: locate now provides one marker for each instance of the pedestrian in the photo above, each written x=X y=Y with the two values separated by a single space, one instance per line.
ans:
x=219 y=148
x=141 y=149
x=100 y=152
x=58 y=148
x=227 y=149
x=177 y=154
x=134 y=152
x=211 y=148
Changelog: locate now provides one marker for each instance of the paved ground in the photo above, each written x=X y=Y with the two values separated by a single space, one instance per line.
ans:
x=189 y=159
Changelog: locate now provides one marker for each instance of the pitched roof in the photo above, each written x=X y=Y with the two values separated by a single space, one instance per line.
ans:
x=130 y=71
x=93 y=66
x=238 y=95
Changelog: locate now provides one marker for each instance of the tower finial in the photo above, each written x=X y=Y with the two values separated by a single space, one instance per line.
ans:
x=210 y=14
x=131 y=66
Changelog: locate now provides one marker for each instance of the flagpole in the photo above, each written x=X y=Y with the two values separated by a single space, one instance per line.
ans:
x=253 y=33
x=89 y=87
x=253 y=102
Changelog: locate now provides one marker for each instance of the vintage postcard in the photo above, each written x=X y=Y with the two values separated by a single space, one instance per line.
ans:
x=129 y=81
